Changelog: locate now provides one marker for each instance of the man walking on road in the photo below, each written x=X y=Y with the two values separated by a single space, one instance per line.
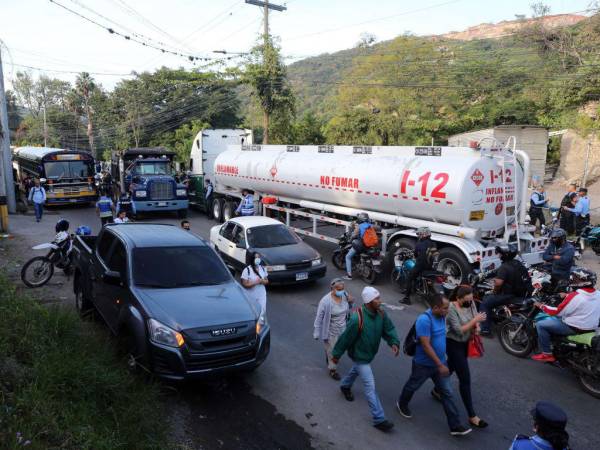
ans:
x=367 y=326
x=37 y=195
x=430 y=362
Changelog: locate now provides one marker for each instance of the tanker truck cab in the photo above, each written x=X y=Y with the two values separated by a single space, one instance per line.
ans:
x=146 y=173
x=287 y=258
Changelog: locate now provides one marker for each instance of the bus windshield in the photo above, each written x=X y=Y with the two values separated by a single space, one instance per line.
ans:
x=68 y=169
x=153 y=168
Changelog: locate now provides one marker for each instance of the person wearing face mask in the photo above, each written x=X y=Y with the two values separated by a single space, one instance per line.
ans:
x=254 y=279
x=461 y=322
x=330 y=321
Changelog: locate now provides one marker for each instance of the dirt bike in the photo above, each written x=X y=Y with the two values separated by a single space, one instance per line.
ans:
x=578 y=352
x=367 y=264
x=39 y=270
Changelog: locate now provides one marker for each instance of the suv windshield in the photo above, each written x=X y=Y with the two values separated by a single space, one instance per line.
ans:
x=271 y=236
x=171 y=267
x=153 y=168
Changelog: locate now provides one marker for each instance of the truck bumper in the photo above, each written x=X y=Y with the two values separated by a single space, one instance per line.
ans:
x=70 y=200
x=158 y=205
x=173 y=364
x=298 y=275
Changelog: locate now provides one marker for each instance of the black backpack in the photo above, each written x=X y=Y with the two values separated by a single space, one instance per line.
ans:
x=410 y=341
x=522 y=280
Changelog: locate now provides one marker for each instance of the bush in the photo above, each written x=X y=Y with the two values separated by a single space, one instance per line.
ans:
x=62 y=385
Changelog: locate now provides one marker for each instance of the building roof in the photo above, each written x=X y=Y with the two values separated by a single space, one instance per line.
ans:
x=156 y=235
x=255 y=221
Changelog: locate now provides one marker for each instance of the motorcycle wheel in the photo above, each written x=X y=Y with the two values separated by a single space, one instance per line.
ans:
x=591 y=383
x=369 y=275
x=37 y=272
x=399 y=280
x=338 y=259
x=519 y=345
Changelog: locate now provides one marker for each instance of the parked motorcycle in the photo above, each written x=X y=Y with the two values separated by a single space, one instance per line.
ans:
x=367 y=265
x=39 y=270
x=430 y=283
x=591 y=237
x=579 y=352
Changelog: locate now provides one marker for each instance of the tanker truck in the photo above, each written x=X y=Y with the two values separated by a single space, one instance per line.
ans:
x=472 y=199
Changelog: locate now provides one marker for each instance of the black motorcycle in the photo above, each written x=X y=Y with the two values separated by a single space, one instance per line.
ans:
x=367 y=264
x=427 y=285
x=579 y=352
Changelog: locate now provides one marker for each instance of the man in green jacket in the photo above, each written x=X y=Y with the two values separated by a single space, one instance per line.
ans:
x=361 y=339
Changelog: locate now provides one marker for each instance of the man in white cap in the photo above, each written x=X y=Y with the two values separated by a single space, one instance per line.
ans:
x=365 y=329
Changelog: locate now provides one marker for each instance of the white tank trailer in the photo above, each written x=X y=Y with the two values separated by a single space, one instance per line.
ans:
x=466 y=196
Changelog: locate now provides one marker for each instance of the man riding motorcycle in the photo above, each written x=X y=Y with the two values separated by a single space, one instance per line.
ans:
x=425 y=255
x=560 y=254
x=511 y=282
x=360 y=228
x=579 y=312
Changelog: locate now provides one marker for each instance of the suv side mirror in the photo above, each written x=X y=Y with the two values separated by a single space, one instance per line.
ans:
x=113 y=278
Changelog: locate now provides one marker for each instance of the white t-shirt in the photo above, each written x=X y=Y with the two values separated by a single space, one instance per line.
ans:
x=257 y=293
x=119 y=220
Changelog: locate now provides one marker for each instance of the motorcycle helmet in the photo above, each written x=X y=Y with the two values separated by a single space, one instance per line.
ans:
x=83 y=230
x=62 y=225
x=558 y=236
x=423 y=232
x=507 y=251
x=409 y=264
x=362 y=217
x=582 y=278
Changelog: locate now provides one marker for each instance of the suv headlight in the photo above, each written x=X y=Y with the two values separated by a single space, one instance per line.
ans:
x=275 y=268
x=316 y=262
x=141 y=194
x=261 y=323
x=181 y=192
x=162 y=334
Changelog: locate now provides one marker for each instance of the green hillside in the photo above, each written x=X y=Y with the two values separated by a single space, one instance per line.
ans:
x=410 y=90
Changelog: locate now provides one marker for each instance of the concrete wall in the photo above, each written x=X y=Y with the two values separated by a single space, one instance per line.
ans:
x=531 y=139
x=573 y=152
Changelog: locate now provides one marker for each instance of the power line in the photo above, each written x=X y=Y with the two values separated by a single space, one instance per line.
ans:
x=74 y=71
x=133 y=39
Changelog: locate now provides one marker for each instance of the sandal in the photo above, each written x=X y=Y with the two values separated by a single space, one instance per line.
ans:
x=333 y=374
x=481 y=424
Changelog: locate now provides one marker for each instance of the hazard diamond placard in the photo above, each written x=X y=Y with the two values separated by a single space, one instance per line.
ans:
x=477 y=177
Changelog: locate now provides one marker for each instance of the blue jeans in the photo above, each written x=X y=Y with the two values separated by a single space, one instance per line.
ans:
x=490 y=302
x=366 y=374
x=418 y=376
x=39 y=210
x=351 y=253
x=546 y=328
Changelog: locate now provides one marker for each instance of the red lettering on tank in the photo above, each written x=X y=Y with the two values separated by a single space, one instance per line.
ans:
x=344 y=182
x=227 y=169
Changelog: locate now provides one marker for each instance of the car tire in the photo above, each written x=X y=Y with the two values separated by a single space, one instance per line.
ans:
x=217 y=210
x=83 y=304
x=135 y=360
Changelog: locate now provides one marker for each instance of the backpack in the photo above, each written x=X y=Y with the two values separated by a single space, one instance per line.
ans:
x=370 y=238
x=523 y=286
x=410 y=341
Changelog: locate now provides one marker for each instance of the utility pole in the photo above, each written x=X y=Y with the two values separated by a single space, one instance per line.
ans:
x=45 y=127
x=266 y=7
x=7 y=186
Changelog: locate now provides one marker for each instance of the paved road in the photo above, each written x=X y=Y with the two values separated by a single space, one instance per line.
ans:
x=290 y=401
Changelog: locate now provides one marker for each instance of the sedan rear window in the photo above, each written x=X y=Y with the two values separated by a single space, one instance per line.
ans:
x=268 y=236
x=171 y=267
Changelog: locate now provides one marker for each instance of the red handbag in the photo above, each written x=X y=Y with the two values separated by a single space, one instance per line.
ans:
x=475 y=346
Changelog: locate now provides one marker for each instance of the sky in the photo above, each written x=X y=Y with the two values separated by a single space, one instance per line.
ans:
x=42 y=34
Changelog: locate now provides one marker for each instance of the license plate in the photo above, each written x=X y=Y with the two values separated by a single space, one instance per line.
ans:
x=162 y=203
x=302 y=276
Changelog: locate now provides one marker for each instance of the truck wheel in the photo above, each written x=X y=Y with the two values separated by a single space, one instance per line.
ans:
x=454 y=264
x=217 y=210
x=129 y=348
x=182 y=213
x=83 y=304
x=228 y=210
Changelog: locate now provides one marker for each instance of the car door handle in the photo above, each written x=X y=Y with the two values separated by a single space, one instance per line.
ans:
x=231 y=246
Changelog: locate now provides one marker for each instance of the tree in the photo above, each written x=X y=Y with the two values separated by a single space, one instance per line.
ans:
x=366 y=40
x=265 y=73
x=308 y=130
x=81 y=103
